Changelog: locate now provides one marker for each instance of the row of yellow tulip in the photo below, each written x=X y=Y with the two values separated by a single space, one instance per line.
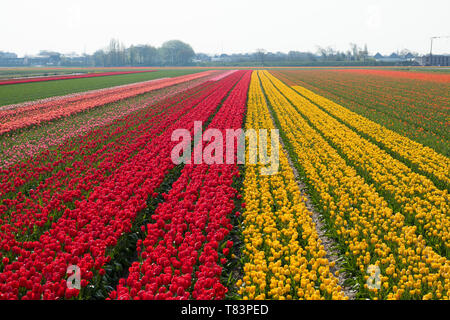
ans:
x=369 y=233
x=423 y=204
x=424 y=158
x=284 y=257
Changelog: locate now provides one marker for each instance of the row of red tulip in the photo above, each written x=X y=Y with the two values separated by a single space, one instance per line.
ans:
x=16 y=177
x=90 y=226
x=48 y=184
x=22 y=144
x=67 y=77
x=186 y=247
x=34 y=114
x=82 y=164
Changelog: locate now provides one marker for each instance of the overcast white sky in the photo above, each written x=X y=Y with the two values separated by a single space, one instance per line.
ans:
x=230 y=26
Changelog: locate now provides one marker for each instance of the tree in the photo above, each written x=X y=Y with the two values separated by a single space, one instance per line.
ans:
x=99 y=58
x=115 y=54
x=355 y=51
x=260 y=54
x=365 y=53
x=322 y=52
x=176 y=53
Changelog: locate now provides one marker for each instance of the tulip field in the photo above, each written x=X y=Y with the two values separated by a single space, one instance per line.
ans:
x=65 y=77
x=93 y=206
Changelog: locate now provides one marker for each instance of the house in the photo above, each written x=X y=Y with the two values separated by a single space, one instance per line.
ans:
x=434 y=60
x=394 y=57
x=9 y=59
x=378 y=56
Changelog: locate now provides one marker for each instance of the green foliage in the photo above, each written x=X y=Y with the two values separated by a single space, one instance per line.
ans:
x=176 y=53
x=16 y=93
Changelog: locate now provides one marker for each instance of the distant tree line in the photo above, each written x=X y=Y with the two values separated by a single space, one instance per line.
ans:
x=355 y=56
x=171 y=53
x=178 y=53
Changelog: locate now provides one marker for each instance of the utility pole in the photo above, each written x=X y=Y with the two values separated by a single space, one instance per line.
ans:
x=431 y=46
x=431 y=50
